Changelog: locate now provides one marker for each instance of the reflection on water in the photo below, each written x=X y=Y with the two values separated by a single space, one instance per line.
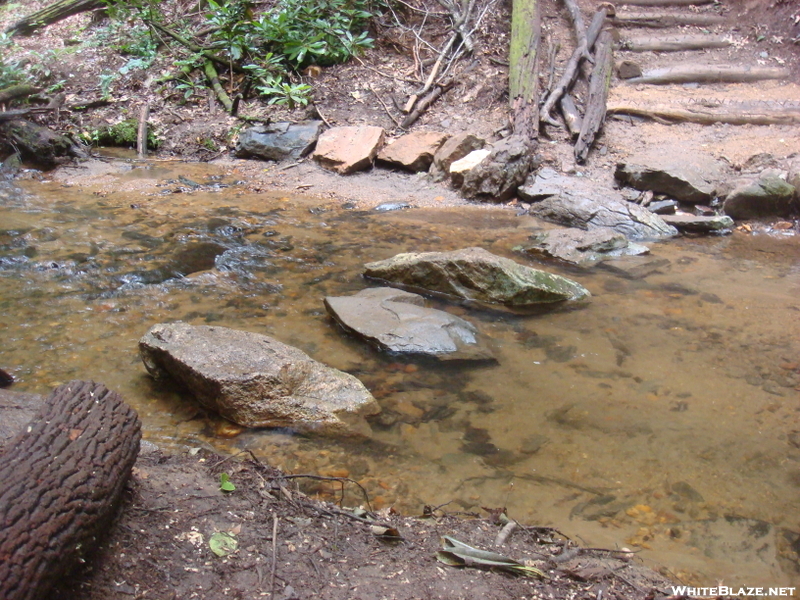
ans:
x=662 y=416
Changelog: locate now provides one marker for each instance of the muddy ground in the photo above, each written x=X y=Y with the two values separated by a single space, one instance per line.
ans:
x=288 y=544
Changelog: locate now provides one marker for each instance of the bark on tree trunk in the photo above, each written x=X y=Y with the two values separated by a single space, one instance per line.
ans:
x=523 y=74
x=595 y=112
x=63 y=477
x=52 y=14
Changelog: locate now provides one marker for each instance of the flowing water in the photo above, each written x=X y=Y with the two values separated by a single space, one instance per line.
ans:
x=662 y=416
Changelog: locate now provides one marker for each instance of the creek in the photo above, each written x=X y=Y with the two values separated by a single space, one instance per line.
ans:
x=662 y=416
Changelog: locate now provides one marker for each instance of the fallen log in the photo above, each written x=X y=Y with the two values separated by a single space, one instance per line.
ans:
x=660 y=20
x=661 y=3
x=572 y=118
x=710 y=74
x=595 y=112
x=523 y=74
x=53 y=13
x=425 y=102
x=571 y=70
x=63 y=478
x=579 y=26
x=732 y=114
x=674 y=43
x=13 y=92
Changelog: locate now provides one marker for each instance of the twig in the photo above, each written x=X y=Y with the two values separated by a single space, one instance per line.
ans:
x=141 y=134
x=505 y=533
x=274 y=555
x=339 y=479
x=321 y=116
x=387 y=75
x=383 y=104
x=425 y=103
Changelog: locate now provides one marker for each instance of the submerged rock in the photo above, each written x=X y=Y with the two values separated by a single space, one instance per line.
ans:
x=348 y=149
x=474 y=274
x=582 y=248
x=577 y=202
x=397 y=321
x=256 y=381
x=279 y=141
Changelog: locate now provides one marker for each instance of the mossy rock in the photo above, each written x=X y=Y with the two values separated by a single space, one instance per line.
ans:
x=122 y=134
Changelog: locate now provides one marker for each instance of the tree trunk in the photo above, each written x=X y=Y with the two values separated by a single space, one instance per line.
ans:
x=62 y=479
x=710 y=74
x=663 y=20
x=52 y=14
x=571 y=70
x=595 y=112
x=674 y=43
x=523 y=74
x=36 y=144
x=740 y=113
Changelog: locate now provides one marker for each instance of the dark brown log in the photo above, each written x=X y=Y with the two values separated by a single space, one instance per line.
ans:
x=741 y=113
x=571 y=70
x=523 y=72
x=675 y=43
x=63 y=478
x=664 y=20
x=17 y=91
x=710 y=74
x=572 y=117
x=595 y=113
x=664 y=2
x=52 y=14
x=425 y=102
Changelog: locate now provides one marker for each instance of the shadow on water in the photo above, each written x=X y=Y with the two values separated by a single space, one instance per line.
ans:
x=662 y=415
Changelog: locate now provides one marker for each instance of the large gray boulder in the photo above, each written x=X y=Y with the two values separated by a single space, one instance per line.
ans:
x=476 y=275
x=279 y=141
x=582 y=248
x=256 y=381
x=690 y=178
x=768 y=196
x=498 y=176
x=578 y=202
x=397 y=321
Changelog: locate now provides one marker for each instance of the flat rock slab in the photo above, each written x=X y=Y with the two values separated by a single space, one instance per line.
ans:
x=279 y=141
x=346 y=150
x=767 y=196
x=700 y=224
x=256 y=381
x=582 y=248
x=397 y=321
x=692 y=179
x=413 y=152
x=475 y=275
x=577 y=202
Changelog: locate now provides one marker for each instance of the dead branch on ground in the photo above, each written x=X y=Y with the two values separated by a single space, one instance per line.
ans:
x=595 y=113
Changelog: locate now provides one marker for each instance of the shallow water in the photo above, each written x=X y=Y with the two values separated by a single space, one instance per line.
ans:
x=662 y=416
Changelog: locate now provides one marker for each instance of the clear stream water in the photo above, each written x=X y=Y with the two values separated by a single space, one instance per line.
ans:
x=662 y=417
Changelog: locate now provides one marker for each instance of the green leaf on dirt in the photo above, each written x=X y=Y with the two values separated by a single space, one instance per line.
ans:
x=223 y=543
x=459 y=554
x=225 y=483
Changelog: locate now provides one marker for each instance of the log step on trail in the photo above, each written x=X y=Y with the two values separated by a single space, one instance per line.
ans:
x=663 y=20
x=739 y=113
x=62 y=480
x=710 y=74
x=674 y=43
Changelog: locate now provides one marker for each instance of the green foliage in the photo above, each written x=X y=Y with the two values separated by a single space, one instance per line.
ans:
x=225 y=483
x=33 y=70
